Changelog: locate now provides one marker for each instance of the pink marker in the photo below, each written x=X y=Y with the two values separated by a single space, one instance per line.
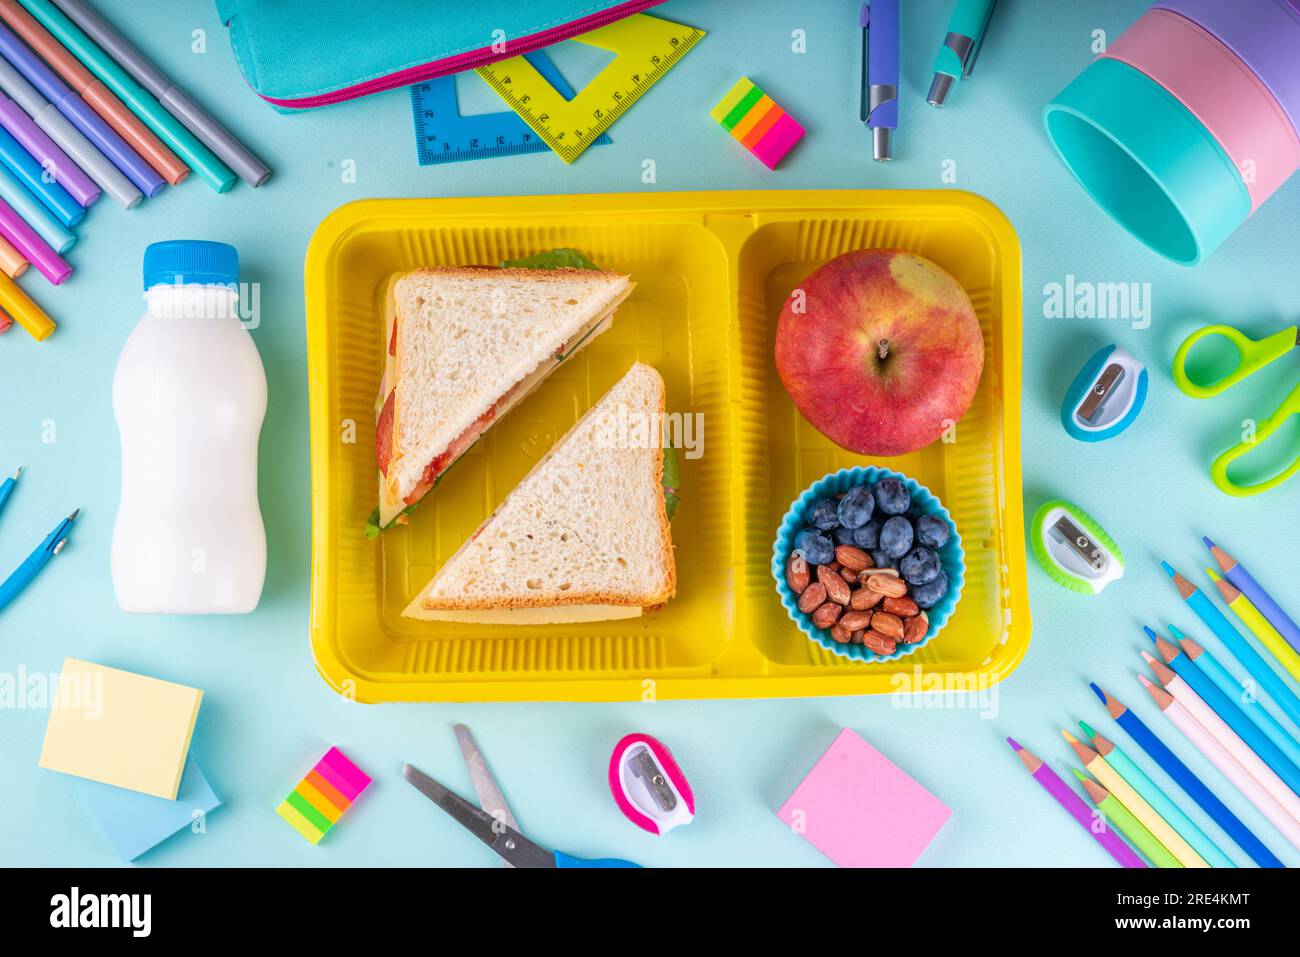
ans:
x=31 y=246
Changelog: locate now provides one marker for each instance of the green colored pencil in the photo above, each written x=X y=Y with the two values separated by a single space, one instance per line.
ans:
x=1118 y=817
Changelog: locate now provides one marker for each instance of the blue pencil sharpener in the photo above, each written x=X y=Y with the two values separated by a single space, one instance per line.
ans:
x=1106 y=396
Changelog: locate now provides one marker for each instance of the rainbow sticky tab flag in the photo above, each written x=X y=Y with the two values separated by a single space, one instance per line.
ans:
x=762 y=127
x=320 y=799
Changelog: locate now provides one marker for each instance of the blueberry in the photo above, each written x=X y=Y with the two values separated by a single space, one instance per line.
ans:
x=856 y=507
x=932 y=531
x=892 y=496
x=843 y=536
x=868 y=536
x=929 y=594
x=882 y=558
x=816 y=547
x=920 y=566
x=825 y=513
x=896 y=537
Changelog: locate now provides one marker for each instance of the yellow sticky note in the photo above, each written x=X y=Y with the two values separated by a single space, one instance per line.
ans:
x=120 y=728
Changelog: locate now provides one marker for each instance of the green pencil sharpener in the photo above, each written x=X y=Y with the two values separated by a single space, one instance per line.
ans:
x=1073 y=549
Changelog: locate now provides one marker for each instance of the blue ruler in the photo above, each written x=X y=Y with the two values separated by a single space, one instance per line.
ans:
x=443 y=135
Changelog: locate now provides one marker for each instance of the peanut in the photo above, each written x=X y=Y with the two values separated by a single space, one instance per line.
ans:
x=855 y=638
x=856 y=620
x=864 y=599
x=914 y=629
x=902 y=607
x=852 y=558
x=812 y=597
x=837 y=590
x=891 y=626
x=887 y=585
x=797 y=575
x=826 y=615
x=838 y=634
x=879 y=643
x=849 y=575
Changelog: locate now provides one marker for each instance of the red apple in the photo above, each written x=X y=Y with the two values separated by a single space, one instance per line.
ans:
x=880 y=350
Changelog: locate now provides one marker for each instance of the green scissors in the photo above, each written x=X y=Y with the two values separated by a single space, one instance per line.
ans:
x=1204 y=372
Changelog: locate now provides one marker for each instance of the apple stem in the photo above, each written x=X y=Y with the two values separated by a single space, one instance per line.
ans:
x=882 y=349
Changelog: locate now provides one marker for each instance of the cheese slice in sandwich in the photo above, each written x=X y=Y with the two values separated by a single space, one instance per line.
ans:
x=465 y=345
x=584 y=536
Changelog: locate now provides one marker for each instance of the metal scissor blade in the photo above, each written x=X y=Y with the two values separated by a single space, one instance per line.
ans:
x=505 y=840
x=489 y=793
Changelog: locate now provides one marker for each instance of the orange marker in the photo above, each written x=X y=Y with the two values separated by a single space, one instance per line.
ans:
x=12 y=263
x=97 y=96
x=26 y=313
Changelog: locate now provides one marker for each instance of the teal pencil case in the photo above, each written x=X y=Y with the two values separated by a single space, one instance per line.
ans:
x=300 y=54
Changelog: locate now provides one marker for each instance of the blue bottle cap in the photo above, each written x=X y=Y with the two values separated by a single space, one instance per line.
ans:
x=194 y=261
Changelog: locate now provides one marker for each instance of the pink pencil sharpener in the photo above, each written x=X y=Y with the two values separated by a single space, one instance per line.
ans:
x=648 y=786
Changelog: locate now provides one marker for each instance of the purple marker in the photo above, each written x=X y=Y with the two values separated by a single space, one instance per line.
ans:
x=47 y=153
x=82 y=116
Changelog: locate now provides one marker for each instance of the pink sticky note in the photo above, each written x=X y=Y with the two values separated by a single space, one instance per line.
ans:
x=861 y=810
x=778 y=141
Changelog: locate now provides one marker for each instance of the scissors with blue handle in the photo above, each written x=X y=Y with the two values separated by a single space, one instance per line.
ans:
x=1200 y=378
x=516 y=849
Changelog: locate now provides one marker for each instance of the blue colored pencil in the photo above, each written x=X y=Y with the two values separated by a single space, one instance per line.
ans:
x=1189 y=782
x=1226 y=708
x=1249 y=704
x=1241 y=649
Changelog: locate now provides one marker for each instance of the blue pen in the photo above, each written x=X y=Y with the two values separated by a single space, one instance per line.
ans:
x=7 y=487
x=961 y=46
x=29 y=569
x=53 y=197
x=878 y=104
x=72 y=106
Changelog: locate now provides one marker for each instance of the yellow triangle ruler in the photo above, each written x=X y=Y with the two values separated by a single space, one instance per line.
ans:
x=645 y=48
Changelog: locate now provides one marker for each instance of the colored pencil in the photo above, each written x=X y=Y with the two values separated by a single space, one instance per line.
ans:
x=215 y=173
x=1240 y=648
x=1222 y=759
x=68 y=138
x=1117 y=815
x=26 y=313
x=12 y=263
x=175 y=100
x=1259 y=626
x=47 y=153
x=1236 y=573
x=1245 y=699
x=1226 y=738
x=1050 y=782
x=114 y=112
x=1229 y=713
x=79 y=113
x=1173 y=766
x=1178 y=851
x=1160 y=802
x=38 y=252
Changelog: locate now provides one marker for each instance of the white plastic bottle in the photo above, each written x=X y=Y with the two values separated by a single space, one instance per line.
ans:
x=189 y=395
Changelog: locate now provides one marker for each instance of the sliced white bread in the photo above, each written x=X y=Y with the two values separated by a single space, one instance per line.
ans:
x=471 y=343
x=586 y=530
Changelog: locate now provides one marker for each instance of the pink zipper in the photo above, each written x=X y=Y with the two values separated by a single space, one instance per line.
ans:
x=468 y=60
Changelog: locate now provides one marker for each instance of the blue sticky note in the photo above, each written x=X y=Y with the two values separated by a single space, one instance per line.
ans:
x=135 y=822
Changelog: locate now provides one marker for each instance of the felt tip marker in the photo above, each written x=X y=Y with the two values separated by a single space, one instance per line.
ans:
x=961 y=47
x=879 y=95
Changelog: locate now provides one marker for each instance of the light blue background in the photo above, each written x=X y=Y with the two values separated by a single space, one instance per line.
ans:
x=266 y=715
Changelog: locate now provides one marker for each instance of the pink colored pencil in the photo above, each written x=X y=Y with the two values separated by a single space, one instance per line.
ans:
x=1222 y=759
x=1051 y=782
x=34 y=249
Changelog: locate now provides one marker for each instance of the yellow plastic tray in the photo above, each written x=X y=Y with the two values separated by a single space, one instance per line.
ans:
x=711 y=272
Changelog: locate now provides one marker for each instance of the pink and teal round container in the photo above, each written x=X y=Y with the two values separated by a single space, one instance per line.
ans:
x=1188 y=122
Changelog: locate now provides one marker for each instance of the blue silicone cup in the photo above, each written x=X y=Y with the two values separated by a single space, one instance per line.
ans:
x=951 y=556
x=1147 y=161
